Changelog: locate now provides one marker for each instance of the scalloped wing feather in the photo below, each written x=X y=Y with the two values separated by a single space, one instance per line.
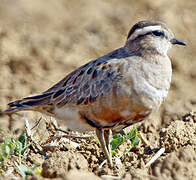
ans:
x=87 y=84
x=80 y=87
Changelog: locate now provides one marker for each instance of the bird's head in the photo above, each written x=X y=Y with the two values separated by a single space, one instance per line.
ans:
x=154 y=36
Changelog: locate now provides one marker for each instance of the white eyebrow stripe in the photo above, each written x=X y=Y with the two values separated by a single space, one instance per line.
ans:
x=144 y=31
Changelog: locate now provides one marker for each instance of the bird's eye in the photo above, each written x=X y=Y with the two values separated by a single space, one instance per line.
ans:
x=158 y=33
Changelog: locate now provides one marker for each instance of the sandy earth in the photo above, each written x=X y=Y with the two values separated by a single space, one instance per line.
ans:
x=41 y=42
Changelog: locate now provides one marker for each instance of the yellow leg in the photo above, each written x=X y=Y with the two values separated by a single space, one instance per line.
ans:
x=103 y=137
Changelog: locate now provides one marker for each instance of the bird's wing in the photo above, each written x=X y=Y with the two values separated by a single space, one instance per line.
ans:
x=86 y=84
x=82 y=86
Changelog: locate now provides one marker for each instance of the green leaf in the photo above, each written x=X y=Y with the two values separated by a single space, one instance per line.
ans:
x=23 y=139
x=24 y=170
x=7 y=150
x=132 y=136
x=114 y=153
x=116 y=141
x=18 y=148
x=136 y=141
x=7 y=147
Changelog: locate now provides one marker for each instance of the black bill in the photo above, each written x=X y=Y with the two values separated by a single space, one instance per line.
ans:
x=176 y=41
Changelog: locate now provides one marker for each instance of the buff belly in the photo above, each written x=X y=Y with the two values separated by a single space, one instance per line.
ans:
x=70 y=117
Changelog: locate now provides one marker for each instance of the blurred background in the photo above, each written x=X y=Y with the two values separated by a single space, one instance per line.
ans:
x=41 y=41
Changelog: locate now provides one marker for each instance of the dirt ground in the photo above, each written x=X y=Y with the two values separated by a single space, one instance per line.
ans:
x=41 y=41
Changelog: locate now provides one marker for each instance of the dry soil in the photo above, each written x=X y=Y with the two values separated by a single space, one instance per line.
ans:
x=41 y=41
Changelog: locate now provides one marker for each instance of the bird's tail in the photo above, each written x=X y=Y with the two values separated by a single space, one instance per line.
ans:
x=29 y=103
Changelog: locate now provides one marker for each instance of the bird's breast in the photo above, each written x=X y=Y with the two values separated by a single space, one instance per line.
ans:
x=151 y=82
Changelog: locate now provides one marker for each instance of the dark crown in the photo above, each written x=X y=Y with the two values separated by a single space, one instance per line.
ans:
x=143 y=24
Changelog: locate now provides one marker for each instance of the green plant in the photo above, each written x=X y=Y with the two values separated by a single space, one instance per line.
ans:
x=133 y=137
x=119 y=139
x=15 y=147
x=11 y=146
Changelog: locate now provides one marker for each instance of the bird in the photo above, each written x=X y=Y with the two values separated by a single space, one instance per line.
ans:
x=113 y=91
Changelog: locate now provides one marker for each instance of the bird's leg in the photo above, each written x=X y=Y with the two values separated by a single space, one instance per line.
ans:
x=107 y=136
x=101 y=136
